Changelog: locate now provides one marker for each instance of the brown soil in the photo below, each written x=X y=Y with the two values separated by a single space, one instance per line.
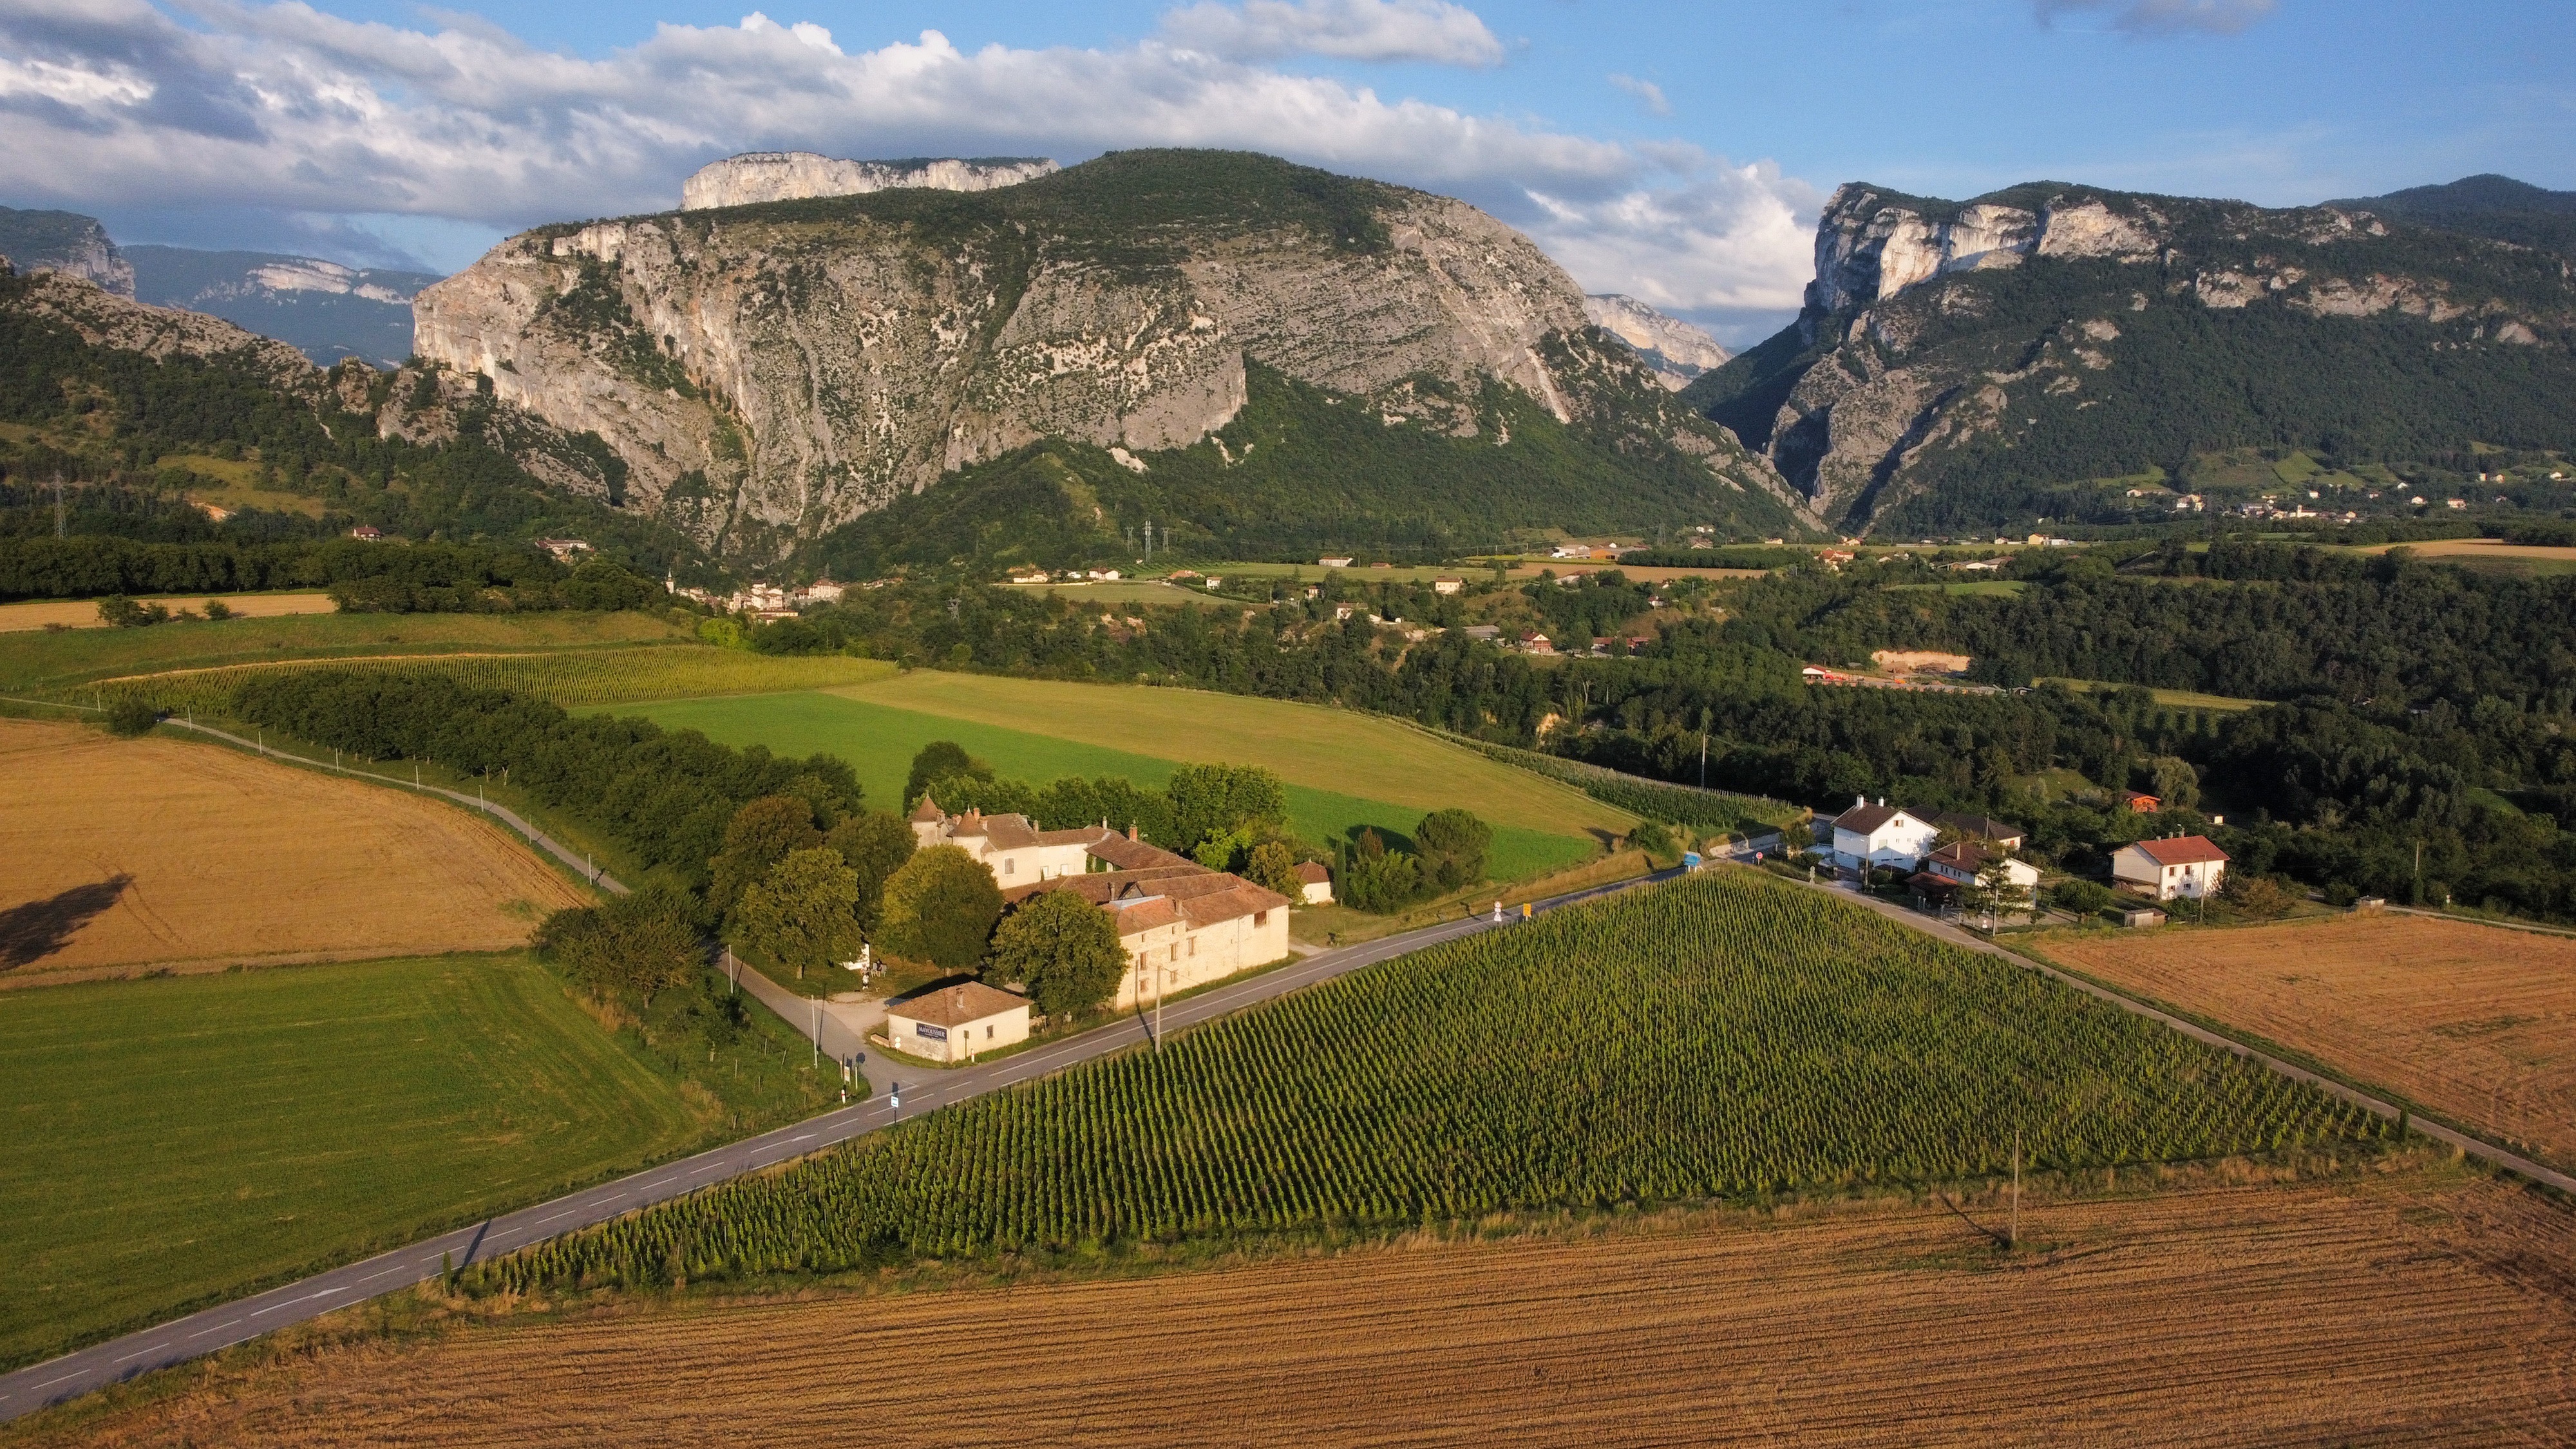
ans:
x=2429 y=1307
x=83 y=613
x=119 y=856
x=2477 y=1023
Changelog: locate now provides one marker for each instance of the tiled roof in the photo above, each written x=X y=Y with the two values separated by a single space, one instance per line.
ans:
x=1125 y=854
x=1966 y=855
x=1314 y=872
x=958 y=1005
x=1981 y=827
x=1862 y=819
x=1145 y=915
x=1244 y=900
x=2182 y=850
x=928 y=812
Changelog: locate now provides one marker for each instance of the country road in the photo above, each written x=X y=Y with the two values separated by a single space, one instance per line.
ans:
x=925 y=1090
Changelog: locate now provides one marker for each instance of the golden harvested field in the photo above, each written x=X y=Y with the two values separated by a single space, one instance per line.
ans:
x=2475 y=1022
x=83 y=613
x=123 y=855
x=2428 y=1307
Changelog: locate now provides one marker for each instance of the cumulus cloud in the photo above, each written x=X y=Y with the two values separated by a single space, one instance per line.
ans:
x=110 y=105
x=1427 y=30
x=2164 y=17
x=1648 y=94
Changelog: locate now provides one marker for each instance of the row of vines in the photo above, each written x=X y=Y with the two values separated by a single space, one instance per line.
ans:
x=1711 y=1038
x=569 y=678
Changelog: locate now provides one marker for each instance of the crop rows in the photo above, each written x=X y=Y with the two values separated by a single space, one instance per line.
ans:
x=571 y=678
x=1711 y=1038
x=1656 y=799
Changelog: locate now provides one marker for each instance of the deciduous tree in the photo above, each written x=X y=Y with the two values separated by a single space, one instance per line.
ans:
x=802 y=913
x=1065 y=948
x=940 y=907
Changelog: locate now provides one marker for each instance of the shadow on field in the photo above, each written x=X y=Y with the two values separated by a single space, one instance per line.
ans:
x=36 y=930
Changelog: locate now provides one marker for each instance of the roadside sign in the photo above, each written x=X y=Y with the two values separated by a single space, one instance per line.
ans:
x=1690 y=860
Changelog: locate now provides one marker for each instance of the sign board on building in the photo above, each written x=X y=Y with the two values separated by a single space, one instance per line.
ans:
x=927 y=1032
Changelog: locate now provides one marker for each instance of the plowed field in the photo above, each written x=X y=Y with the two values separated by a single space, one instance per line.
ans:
x=2475 y=1022
x=121 y=855
x=2419 y=1310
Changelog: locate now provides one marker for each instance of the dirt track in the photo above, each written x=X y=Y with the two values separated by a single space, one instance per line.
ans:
x=2476 y=1022
x=2425 y=1309
x=125 y=855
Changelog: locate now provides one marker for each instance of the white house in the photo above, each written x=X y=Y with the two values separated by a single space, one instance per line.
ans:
x=1964 y=863
x=1869 y=836
x=2181 y=865
x=1315 y=883
x=1015 y=851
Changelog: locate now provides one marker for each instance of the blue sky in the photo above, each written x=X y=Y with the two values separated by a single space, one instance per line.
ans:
x=1677 y=152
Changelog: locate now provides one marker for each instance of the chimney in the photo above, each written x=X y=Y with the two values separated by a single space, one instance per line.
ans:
x=1859 y=800
x=1882 y=802
x=1131 y=830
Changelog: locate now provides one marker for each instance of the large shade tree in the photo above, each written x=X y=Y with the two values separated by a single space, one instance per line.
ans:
x=1064 y=948
x=803 y=913
x=940 y=907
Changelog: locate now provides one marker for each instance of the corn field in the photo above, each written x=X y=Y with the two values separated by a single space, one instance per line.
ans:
x=1710 y=1038
x=571 y=678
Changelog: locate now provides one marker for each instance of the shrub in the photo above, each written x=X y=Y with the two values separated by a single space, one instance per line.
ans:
x=1452 y=845
x=131 y=715
x=2081 y=897
x=1274 y=867
x=2256 y=895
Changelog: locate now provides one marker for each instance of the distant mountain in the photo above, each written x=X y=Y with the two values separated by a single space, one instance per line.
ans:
x=1249 y=354
x=64 y=241
x=1676 y=350
x=2488 y=205
x=2040 y=352
x=759 y=176
x=327 y=310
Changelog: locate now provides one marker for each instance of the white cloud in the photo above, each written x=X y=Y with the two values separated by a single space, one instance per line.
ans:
x=2165 y=17
x=110 y=105
x=1428 y=30
x=1648 y=94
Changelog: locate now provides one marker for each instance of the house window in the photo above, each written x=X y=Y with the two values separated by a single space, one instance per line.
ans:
x=1261 y=918
x=1194 y=945
x=1009 y=866
x=988 y=1033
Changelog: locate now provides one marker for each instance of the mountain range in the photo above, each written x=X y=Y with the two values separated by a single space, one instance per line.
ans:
x=2057 y=351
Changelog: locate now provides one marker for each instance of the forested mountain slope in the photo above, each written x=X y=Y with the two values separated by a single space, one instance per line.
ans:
x=1965 y=366
x=770 y=372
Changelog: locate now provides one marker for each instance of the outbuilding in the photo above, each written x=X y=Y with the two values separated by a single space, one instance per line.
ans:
x=1315 y=883
x=955 y=1023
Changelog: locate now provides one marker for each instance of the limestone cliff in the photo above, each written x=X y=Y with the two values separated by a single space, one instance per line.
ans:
x=758 y=176
x=65 y=242
x=768 y=372
x=2036 y=339
x=1676 y=350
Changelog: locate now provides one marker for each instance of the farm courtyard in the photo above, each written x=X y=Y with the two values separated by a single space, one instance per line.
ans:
x=2425 y=1306
x=123 y=856
x=2475 y=1022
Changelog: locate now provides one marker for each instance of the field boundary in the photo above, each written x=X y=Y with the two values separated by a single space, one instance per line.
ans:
x=2226 y=1039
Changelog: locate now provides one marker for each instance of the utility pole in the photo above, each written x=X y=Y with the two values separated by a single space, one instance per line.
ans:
x=1162 y=984
x=58 y=505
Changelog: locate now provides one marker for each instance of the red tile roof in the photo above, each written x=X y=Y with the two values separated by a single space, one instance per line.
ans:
x=2182 y=850
x=957 y=1005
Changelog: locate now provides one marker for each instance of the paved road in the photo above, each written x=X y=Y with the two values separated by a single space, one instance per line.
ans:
x=34 y=1387
x=579 y=862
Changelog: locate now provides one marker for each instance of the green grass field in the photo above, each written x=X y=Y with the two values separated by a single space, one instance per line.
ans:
x=2171 y=698
x=1308 y=744
x=38 y=661
x=1721 y=1037
x=879 y=741
x=569 y=677
x=178 y=1140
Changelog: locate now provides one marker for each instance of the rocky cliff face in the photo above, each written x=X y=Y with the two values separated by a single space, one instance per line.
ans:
x=1951 y=341
x=64 y=242
x=105 y=319
x=770 y=372
x=1676 y=350
x=758 y=176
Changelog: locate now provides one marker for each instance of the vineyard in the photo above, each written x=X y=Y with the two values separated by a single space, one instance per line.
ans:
x=1658 y=799
x=1718 y=1037
x=572 y=679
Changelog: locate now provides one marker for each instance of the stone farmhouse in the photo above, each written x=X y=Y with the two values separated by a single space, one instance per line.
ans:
x=955 y=1023
x=1182 y=924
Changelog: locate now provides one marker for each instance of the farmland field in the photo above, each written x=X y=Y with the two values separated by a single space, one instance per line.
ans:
x=176 y=1140
x=2432 y=1308
x=122 y=855
x=570 y=678
x=83 y=613
x=2475 y=1022
x=40 y=661
x=1308 y=744
x=879 y=741
x=1716 y=1037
